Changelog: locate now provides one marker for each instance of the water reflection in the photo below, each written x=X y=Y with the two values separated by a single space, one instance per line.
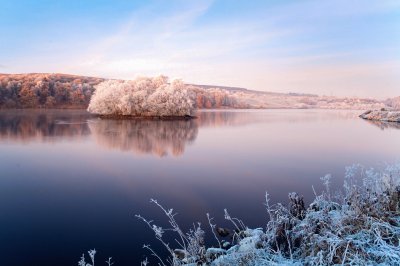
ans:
x=384 y=125
x=41 y=125
x=155 y=137
x=217 y=118
x=224 y=118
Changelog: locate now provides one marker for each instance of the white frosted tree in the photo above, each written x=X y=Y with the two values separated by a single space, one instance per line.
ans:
x=142 y=97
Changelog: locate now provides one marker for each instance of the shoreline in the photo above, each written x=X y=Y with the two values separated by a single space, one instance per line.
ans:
x=383 y=115
x=135 y=117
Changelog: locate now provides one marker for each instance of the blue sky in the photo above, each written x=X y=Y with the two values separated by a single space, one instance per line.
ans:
x=330 y=47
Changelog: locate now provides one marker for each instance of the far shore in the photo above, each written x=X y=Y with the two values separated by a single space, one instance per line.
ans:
x=122 y=117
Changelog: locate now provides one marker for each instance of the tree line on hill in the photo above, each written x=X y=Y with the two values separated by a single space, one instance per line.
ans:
x=70 y=91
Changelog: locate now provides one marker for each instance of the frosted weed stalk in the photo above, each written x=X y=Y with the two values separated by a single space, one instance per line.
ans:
x=92 y=254
x=190 y=245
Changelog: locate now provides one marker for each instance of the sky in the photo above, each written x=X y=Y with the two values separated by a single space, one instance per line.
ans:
x=325 y=47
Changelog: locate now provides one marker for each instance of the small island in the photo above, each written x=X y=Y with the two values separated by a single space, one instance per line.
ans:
x=150 y=98
x=382 y=115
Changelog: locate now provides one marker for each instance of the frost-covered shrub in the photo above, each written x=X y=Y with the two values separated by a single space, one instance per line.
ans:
x=142 y=97
x=361 y=226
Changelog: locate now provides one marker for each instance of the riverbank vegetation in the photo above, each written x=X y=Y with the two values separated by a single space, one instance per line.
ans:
x=382 y=115
x=359 y=225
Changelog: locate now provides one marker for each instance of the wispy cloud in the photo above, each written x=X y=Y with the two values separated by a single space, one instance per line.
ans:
x=171 y=45
x=138 y=42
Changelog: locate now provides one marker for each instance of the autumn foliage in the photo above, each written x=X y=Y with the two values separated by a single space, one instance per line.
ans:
x=46 y=91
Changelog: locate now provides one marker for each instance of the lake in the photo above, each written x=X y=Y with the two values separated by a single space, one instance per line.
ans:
x=70 y=182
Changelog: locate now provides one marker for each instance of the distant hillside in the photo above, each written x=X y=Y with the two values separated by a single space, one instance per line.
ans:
x=43 y=90
x=232 y=89
x=238 y=89
x=394 y=103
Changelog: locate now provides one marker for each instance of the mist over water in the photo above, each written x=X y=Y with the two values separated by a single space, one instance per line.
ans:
x=70 y=181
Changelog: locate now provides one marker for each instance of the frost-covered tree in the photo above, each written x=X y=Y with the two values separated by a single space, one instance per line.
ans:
x=142 y=97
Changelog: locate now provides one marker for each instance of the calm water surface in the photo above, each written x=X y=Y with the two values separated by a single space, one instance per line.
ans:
x=70 y=182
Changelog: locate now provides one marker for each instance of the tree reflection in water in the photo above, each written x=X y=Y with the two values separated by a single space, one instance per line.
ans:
x=42 y=125
x=157 y=137
x=384 y=125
